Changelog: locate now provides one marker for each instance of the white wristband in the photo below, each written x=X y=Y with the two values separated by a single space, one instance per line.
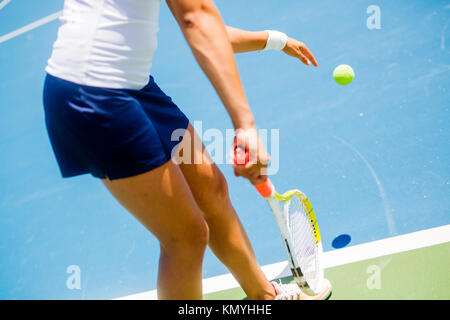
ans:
x=277 y=40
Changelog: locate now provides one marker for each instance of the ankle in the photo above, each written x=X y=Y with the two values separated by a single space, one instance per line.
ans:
x=267 y=293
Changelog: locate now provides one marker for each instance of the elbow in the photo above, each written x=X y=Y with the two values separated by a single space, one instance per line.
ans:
x=191 y=20
x=195 y=18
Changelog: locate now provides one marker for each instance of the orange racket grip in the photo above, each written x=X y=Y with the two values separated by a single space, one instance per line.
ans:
x=241 y=157
x=265 y=189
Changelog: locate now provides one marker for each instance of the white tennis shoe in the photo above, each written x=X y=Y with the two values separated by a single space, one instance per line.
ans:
x=291 y=291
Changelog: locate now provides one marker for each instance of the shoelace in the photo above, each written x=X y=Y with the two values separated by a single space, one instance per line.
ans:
x=287 y=291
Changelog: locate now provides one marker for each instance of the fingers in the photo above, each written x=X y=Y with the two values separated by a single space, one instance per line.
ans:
x=303 y=59
x=306 y=53
x=256 y=157
x=252 y=173
x=299 y=50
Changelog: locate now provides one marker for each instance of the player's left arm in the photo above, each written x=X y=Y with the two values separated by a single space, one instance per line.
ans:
x=246 y=41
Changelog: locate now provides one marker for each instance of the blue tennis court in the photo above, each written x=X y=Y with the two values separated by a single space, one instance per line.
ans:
x=373 y=157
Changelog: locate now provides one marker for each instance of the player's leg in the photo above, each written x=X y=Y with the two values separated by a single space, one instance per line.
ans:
x=162 y=201
x=227 y=238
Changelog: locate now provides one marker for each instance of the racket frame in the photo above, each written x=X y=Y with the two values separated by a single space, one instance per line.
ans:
x=268 y=192
x=280 y=218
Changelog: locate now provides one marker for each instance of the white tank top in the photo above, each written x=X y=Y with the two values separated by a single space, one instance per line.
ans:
x=106 y=43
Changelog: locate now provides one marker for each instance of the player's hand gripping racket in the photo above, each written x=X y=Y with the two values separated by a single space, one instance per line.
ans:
x=299 y=230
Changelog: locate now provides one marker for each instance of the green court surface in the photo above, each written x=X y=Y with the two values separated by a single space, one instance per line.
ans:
x=416 y=274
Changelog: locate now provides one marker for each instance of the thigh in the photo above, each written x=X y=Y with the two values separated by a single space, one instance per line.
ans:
x=162 y=201
x=205 y=179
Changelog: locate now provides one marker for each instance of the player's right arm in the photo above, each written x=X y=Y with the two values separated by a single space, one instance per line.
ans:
x=206 y=34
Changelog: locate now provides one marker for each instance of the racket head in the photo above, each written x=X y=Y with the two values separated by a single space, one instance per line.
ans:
x=305 y=234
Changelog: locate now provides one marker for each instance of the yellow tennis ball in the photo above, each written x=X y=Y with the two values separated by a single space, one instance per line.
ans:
x=343 y=74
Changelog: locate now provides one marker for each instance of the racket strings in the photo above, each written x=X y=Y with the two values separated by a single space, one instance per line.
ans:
x=306 y=246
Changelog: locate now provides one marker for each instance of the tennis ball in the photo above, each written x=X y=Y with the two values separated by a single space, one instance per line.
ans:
x=343 y=74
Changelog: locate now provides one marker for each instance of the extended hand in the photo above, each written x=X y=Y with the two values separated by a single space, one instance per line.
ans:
x=298 y=50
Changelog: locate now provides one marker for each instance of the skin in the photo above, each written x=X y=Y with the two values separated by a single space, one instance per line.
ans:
x=245 y=41
x=187 y=206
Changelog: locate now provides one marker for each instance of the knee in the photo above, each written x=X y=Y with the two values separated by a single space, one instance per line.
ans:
x=214 y=191
x=198 y=237
x=189 y=243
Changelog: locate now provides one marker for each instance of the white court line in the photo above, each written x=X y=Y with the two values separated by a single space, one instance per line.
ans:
x=387 y=210
x=4 y=3
x=361 y=252
x=30 y=26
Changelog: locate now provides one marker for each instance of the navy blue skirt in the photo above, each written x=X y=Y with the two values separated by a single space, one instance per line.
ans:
x=110 y=133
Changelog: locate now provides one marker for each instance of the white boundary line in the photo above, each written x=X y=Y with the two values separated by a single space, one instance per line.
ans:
x=361 y=252
x=30 y=26
x=4 y=3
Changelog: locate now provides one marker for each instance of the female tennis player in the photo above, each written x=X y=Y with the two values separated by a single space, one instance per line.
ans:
x=106 y=116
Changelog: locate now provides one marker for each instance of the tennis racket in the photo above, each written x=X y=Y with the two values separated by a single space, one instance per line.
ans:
x=299 y=230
